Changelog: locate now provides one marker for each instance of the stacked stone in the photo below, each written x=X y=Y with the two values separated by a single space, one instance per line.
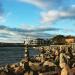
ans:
x=26 y=55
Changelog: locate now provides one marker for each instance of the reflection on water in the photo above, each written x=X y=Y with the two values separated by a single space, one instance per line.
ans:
x=13 y=54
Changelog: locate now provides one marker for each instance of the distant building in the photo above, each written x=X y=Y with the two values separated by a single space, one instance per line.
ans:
x=37 y=41
x=70 y=39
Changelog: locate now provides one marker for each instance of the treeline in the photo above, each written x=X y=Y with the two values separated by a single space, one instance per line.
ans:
x=57 y=40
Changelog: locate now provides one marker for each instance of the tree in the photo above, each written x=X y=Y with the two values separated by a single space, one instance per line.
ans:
x=59 y=39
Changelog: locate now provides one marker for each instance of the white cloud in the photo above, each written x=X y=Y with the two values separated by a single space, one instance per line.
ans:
x=49 y=16
x=26 y=26
x=2 y=19
x=38 y=3
x=53 y=15
x=37 y=28
x=73 y=6
x=10 y=36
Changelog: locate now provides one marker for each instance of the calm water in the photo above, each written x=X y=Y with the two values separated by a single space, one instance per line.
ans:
x=13 y=54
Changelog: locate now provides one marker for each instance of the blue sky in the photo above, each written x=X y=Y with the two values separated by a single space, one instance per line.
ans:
x=20 y=19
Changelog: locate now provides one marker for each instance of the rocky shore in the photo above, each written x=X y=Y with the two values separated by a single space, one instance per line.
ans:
x=49 y=62
x=26 y=68
x=32 y=68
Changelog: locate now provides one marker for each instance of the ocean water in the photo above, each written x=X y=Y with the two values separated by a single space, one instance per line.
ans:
x=9 y=55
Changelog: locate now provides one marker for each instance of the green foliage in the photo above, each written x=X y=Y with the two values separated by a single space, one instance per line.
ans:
x=59 y=39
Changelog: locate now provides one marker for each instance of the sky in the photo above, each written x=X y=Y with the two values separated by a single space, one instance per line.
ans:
x=22 y=19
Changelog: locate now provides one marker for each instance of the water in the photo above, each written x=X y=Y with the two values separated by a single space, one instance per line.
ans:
x=10 y=55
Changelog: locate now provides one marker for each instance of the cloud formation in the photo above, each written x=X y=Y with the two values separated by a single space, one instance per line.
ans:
x=53 y=15
x=38 y=3
x=20 y=35
x=2 y=19
x=49 y=4
x=55 y=9
x=44 y=4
